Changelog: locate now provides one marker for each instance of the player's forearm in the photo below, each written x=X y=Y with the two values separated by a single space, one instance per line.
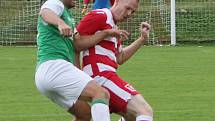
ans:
x=129 y=51
x=85 y=42
x=50 y=17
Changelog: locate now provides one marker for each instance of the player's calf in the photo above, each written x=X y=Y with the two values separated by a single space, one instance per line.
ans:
x=100 y=98
x=81 y=111
x=139 y=108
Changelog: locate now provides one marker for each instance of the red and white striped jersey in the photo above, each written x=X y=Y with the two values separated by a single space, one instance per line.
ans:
x=101 y=57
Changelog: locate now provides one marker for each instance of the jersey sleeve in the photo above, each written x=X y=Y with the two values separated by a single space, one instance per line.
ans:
x=92 y=22
x=54 y=5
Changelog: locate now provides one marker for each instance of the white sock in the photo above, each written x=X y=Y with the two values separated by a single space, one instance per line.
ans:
x=100 y=111
x=121 y=119
x=144 y=118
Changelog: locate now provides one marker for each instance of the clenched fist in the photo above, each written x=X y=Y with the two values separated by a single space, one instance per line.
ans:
x=65 y=30
x=144 y=31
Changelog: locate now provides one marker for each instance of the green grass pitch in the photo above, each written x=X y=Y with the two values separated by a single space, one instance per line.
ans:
x=178 y=82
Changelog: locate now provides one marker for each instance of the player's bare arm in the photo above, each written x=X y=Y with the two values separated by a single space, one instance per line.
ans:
x=51 y=18
x=83 y=42
x=128 y=51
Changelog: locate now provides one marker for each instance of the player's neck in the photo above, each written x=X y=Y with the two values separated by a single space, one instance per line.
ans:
x=114 y=13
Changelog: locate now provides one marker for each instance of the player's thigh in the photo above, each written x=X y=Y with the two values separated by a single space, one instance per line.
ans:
x=94 y=91
x=138 y=106
x=120 y=91
x=81 y=110
x=61 y=82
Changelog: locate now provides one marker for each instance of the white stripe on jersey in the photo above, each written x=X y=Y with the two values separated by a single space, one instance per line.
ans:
x=88 y=69
x=86 y=53
x=103 y=67
x=109 y=17
x=113 y=87
x=103 y=51
x=100 y=12
x=112 y=39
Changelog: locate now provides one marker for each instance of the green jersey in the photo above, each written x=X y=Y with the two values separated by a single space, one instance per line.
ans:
x=51 y=44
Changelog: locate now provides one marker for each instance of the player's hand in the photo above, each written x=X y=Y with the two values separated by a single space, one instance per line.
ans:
x=119 y=34
x=65 y=30
x=144 y=31
x=84 y=10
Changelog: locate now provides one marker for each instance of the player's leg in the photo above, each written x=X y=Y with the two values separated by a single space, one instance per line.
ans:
x=81 y=111
x=63 y=83
x=138 y=109
x=119 y=90
x=132 y=113
x=125 y=100
x=92 y=91
x=100 y=101
x=126 y=117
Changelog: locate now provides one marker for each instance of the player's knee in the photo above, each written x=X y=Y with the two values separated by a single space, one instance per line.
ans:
x=144 y=109
x=106 y=94
x=84 y=115
x=138 y=106
x=81 y=111
x=95 y=91
x=102 y=93
x=148 y=110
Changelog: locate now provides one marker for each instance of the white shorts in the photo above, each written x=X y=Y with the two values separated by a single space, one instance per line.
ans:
x=61 y=82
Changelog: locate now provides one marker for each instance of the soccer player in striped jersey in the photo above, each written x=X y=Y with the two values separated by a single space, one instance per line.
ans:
x=101 y=61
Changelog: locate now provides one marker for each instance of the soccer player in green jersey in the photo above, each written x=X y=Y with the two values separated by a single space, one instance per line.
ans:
x=56 y=75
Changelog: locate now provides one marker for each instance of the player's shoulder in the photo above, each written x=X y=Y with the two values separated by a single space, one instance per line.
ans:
x=55 y=5
x=99 y=11
x=97 y=15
